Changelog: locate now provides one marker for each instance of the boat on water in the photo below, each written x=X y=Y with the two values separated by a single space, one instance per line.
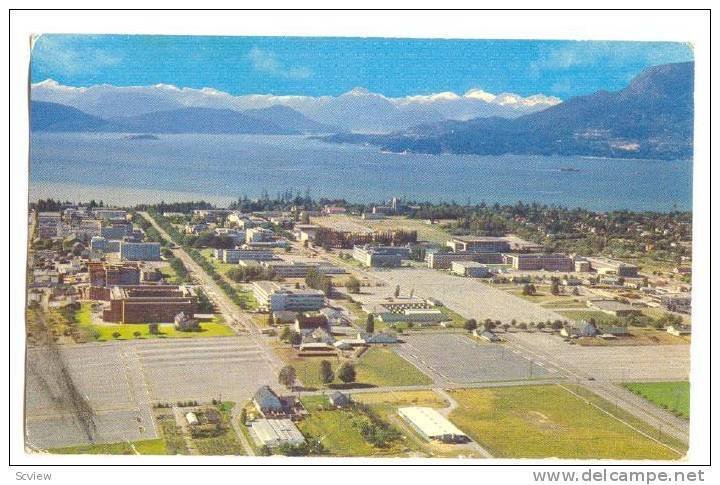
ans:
x=569 y=169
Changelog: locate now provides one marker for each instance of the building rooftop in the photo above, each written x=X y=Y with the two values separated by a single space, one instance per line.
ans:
x=430 y=422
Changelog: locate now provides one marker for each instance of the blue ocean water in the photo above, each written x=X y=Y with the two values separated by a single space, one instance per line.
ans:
x=225 y=167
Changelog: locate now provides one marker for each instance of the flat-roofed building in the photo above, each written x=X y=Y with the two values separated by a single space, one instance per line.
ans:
x=275 y=297
x=116 y=230
x=110 y=213
x=139 y=251
x=537 y=262
x=149 y=303
x=414 y=315
x=299 y=269
x=582 y=265
x=233 y=256
x=103 y=274
x=612 y=266
x=432 y=425
x=479 y=244
x=615 y=308
x=383 y=256
x=277 y=432
x=444 y=260
x=470 y=269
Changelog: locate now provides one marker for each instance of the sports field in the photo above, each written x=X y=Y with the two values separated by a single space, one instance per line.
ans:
x=673 y=396
x=548 y=421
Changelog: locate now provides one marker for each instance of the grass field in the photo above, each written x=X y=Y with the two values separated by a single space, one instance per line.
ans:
x=548 y=421
x=103 y=332
x=335 y=428
x=379 y=366
x=427 y=398
x=673 y=396
x=226 y=443
x=147 y=447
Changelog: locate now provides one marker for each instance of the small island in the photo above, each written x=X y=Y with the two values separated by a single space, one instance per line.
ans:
x=142 y=136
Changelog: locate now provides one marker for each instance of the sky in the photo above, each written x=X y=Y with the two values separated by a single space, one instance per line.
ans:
x=315 y=66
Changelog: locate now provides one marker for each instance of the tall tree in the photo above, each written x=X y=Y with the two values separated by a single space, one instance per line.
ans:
x=346 y=373
x=326 y=373
x=287 y=376
x=370 y=324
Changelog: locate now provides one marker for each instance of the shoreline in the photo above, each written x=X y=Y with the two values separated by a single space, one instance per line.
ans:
x=126 y=197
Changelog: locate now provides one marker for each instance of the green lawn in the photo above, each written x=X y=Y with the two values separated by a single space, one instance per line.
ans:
x=147 y=447
x=673 y=396
x=210 y=328
x=335 y=429
x=378 y=366
x=548 y=421
x=381 y=366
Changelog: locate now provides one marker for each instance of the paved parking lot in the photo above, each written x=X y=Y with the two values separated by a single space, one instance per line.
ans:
x=120 y=380
x=229 y=367
x=611 y=363
x=467 y=296
x=105 y=378
x=456 y=359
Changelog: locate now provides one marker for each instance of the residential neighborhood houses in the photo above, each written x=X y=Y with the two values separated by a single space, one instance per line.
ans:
x=322 y=305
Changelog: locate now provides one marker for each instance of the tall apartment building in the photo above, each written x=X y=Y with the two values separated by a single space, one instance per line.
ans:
x=139 y=251
x=274 y=297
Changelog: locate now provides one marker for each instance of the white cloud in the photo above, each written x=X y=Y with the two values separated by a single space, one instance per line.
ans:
x=61 y=55
x=267 y=62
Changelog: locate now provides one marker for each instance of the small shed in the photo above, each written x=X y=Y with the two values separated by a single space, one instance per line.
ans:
x=339 y=400
x=192 y=419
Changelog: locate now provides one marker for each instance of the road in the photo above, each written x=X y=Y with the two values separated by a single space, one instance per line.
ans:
x=622 y=398
x=234 y=316
x=607 y=389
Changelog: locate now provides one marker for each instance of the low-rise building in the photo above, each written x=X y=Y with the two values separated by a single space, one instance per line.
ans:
x=679 y=331
x=437 y=260
x=479 y=244
x=432 y=425
x=383 y=256
x=470 y=269
x=186 y=323
x=606 y=266
x=338 y=399
x=233 y=256
x=420 y=315
x=267 y=403
x=277 y=432
x=537 y=262
x=149 y=303
x=275 y=297
x=615 y=308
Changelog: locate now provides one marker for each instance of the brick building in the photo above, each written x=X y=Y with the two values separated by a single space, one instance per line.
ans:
x=149 y=303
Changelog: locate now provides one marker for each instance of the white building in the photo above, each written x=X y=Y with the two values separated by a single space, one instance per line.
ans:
x=276 y=432
x=274 y=297
x=432 y=425
x=235 y=255
x=470 y=269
